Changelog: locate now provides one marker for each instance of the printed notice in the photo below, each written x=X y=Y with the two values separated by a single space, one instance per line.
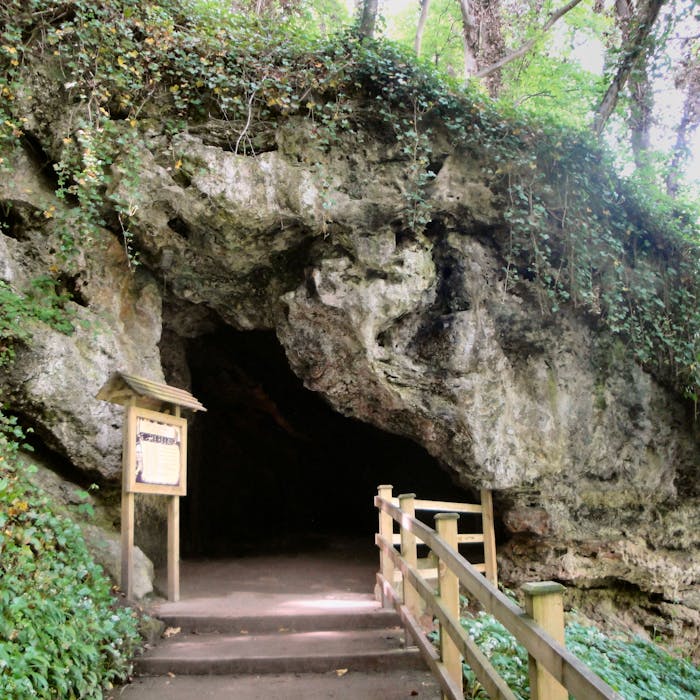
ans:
x=157 y=452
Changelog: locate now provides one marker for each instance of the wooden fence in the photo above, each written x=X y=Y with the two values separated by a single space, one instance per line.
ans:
x=554 y=671
x=486 y=537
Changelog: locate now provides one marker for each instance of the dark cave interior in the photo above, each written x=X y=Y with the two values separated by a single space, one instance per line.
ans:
x=272 y=466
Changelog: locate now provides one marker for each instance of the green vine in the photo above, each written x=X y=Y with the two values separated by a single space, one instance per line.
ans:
x=575 y=233
x=43 y=302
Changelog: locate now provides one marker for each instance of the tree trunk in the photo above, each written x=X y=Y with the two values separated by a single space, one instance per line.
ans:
x=368 y=21
x=491 y=45
x=689 y=80
x=496 y=65
x=632 y=52
x=470 y=38
x=641 y=114
x=421 y=25
x=482 y=39
x=642 y=98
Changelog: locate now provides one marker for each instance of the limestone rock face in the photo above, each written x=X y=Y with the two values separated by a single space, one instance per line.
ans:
x=106 y=548
x=117 y=325
x=416 y=334
x=593 y=463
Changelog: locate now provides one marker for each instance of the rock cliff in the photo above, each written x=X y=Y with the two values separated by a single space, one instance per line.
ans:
x=593 y=462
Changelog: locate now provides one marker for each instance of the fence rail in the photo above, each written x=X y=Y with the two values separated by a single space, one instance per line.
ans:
x=555 y=671
x=487 y=536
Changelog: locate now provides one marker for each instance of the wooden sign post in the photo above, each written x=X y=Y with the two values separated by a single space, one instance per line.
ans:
x=154 y=460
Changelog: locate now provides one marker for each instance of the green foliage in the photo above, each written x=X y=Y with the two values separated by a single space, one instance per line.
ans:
x=626 y=255
x=635 y=668
x=551 y=88
x=442 y=44
x=320 y=18
x=61 y=635
x=43 y=302
x=505 y=654
x=575 y=234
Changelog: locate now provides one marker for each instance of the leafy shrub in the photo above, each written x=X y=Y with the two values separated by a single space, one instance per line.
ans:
x=506 y=655
x=637 y=669
x=41 y=303
x=61 y=635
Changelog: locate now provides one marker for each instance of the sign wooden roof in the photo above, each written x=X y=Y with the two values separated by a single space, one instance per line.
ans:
x=122 y=387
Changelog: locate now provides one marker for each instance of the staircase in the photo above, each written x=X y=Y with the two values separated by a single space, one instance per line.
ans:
x=367 y=639
x=280 y=641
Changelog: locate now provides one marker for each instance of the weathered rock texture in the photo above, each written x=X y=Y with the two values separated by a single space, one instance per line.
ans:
x=593 y=463
x=56 y=377
x=98 y=527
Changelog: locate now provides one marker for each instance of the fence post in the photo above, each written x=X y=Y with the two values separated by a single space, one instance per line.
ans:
x=489 y=536
x=386 y=530
x=173 y=548
x=409 y=552
x=545 y=604
x=446 y=525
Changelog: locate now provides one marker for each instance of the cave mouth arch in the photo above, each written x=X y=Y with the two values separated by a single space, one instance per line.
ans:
x=272 y=466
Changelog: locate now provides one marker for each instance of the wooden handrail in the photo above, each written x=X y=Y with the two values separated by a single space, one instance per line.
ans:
x=476 y=538
x=486 y=537
x=566 y=668
x=486 y=674
x=444 y=506
x=429 y=652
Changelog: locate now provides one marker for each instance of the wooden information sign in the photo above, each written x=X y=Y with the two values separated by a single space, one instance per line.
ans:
x=154 y=461
x=157 y=457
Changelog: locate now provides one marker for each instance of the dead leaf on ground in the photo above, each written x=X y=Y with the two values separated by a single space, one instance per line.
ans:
x=340 y=671
x=171 y=631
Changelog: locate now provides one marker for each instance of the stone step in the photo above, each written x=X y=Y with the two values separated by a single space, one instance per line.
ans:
x=284 y=652
x=387 y=684
x=297 y=628
x=202 y=623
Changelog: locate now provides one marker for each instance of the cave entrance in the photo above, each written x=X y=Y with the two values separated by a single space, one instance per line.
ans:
x=271 y=464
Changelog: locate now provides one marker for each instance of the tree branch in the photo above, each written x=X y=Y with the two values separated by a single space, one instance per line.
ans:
x=631 y=54
x=528 y=44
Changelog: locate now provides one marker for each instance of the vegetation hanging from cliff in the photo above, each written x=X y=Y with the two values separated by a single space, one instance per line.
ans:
x=575 y=232
x=42 y=303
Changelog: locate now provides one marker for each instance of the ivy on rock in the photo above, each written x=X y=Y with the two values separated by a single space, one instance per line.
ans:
x=576 y=233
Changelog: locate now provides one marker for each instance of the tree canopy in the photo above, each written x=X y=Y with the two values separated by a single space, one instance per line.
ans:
x=626 y=68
